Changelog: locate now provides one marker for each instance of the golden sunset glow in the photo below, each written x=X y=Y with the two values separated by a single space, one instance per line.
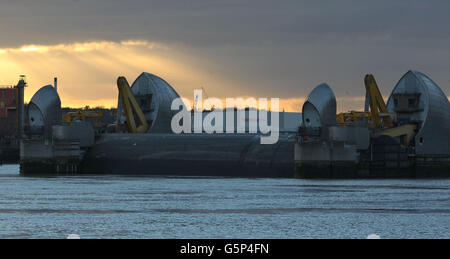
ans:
x=344 y=104
x=87 y=72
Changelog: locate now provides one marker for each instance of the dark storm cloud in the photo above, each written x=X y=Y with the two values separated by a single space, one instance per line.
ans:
x=220 y=22
x=289 y=46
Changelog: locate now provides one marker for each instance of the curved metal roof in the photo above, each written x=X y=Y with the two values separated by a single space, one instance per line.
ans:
x=46 y=105
x=433 y=115
x=162 y=97
x=48 y=102
x=319 y=109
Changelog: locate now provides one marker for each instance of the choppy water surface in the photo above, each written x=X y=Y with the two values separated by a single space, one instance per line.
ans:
x=171 y=207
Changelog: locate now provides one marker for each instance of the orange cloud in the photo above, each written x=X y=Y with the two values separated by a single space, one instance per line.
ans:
x=87 y=72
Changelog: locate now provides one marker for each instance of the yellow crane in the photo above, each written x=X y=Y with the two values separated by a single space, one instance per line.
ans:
x=405 y=132
x=131 y=107
x=378 y=110
x=378 y=114
x=70 y=117
x=352 y=116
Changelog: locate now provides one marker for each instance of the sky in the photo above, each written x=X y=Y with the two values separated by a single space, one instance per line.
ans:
x=230 y=48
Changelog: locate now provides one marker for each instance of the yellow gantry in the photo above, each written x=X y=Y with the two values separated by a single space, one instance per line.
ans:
x=130 y=104
x=378 y=117
x=378 y=110
x=378 y=114
x=405 y=132
x=70 y=117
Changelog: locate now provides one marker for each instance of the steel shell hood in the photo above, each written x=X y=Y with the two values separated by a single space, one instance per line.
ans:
x=160 y=113
x=432 y=113
x=319 y=109
x=44 y=109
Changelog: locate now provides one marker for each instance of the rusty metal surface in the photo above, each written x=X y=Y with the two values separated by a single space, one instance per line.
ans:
x=8 y=100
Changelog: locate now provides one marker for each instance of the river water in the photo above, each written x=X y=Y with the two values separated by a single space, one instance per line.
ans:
x=172 y=207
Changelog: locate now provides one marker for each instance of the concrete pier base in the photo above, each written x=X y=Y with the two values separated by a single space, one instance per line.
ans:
x=325 y=159
x=42 y=157
x=432 y=166
x=324 y=170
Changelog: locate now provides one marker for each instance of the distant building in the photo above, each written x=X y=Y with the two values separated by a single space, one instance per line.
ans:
x=11 y=120
x=288 y=121
x=8 y=114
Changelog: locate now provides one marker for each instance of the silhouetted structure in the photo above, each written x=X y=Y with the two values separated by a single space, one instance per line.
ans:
x=11 y=120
